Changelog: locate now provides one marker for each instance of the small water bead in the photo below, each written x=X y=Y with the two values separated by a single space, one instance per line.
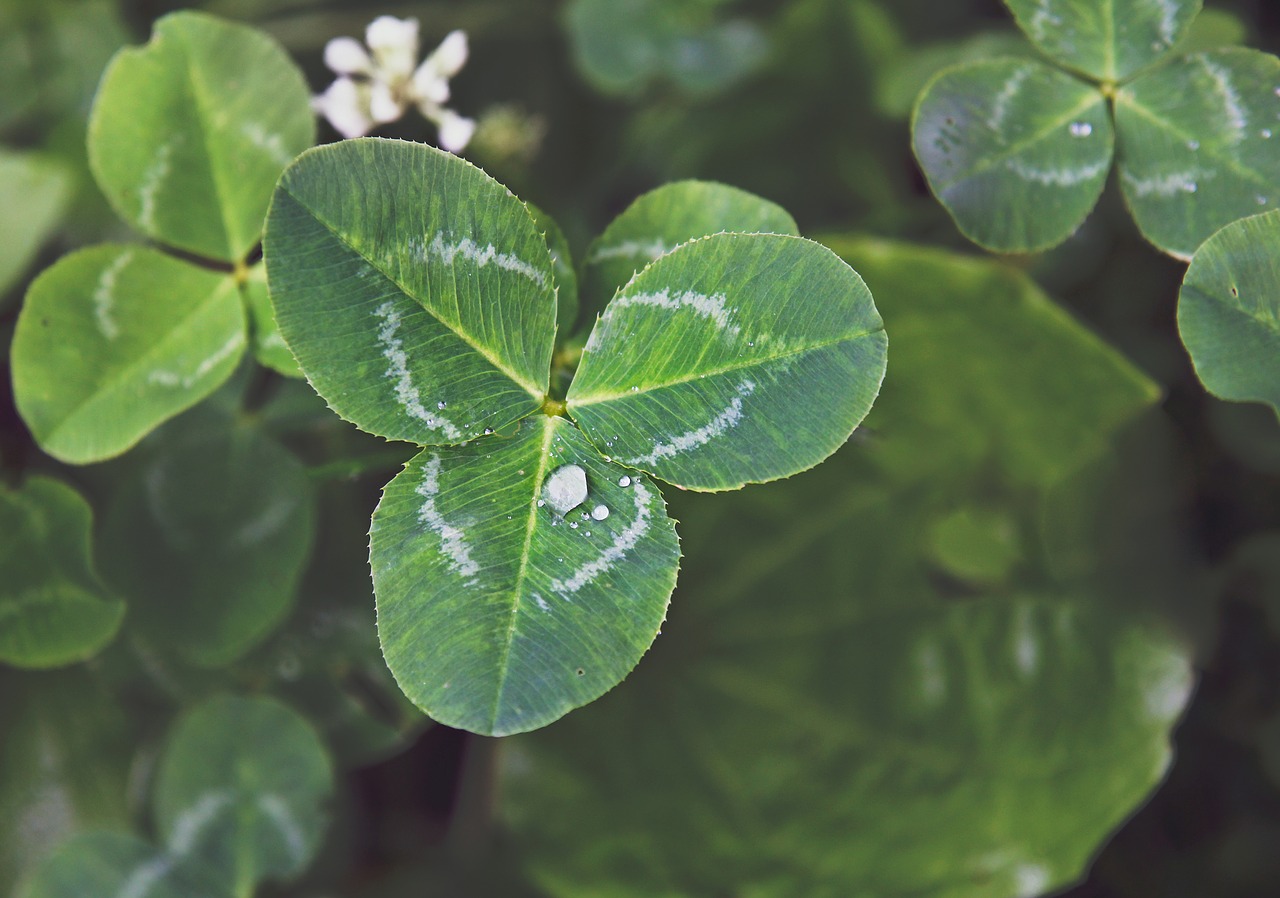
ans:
x=635 y=389
x=599 y=513
x=441 y=404
x=488 y=430
x=1193 y=145
x=541 y=503
x=1265 y=133
x=573 y=525
x=1080 y=129
x=1190 y=187
x=624 y=480
x=1262 y=200
x=566 y=488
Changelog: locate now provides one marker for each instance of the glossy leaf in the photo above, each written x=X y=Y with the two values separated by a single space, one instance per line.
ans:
x=208 y=539
x=190 y=132
x=269 y=347
x=1017 y=152
x=562 y=264
x=36 y=191
x=661 y=220
x=241 y=788
x=829 y=714
x=1061 y=394
x=1105 y=39
x=114 y=340
x=118 y=865
x=53 y=608
x=505 y=600
x=735 y=358
x=1229 y=311
x=415 y=291
x=1197 y=145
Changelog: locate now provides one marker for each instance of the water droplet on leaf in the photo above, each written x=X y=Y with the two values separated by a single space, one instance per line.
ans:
x=1081 y=129
x=624 y=480
x=600 y=512
x=566 y=488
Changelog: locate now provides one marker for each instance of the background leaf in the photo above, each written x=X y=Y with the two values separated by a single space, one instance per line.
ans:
x=241 y=787
x=1229 y=311
x=1196 y=144
x=208 y=538
x=835 y=712
x=113 y=340
x=415 y=291
x=1105 y=39
x=733 y=358
x=1017 y=152
x=565 y=275
x=117 y=864
x=36 y=190
x=190 y=132
x=269 y=347
x=53 y=607
x=661 y=220
x=499 y=613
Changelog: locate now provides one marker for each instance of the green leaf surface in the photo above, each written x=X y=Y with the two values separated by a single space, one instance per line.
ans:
x=506 y=598
x=1105 y=39
x=113 y=340
x=829 y=715
x=35 y=190
x=190 y=132
x=1017 y=152
x=415 y=291
x=1197 y=149
x=566 y=276
x=1229 y=311
x=735 y=358
x=115 y=864
x=53 y=608
x=661 y=220
x=269 y=347
x=968 y=325
x=242 y=787
x=208 y=539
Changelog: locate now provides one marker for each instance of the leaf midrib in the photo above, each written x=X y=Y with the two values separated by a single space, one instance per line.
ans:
x=201 y=101
x=532 y=389
x=597 y=398
x=531 y=524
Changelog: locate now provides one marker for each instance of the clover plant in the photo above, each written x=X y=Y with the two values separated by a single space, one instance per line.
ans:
x=523 y=561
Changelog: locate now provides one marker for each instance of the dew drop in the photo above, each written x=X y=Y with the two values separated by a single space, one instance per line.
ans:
x=1193 y=145
x=587 y=532
x=1080 y=129
x=635 y=389
x=600 y=512
x=1190 y=187
x=541 y=503
x=1278 y=91
x=520 y=472
x=488 y=430
x=1262 y=200
x=566 y=488
x=1265 y=133
x=624 y=480
x=573 y=525
x=441 y=404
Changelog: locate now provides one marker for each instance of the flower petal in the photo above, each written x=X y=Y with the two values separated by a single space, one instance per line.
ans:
x=394 y=43
x=346 y=105
x=428 y=87
x=346 y=56
x=449 y=58
x=383 y=104
x=455 y=131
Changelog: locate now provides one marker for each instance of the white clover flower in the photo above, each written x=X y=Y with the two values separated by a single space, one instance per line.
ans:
x=378 y=85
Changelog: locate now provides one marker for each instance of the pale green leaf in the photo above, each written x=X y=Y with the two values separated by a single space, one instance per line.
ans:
x=1017 y=152
x=735 y=358
x=1229 y=311
x=978 y=546
x=34 y=190
x=1200 y=145
x=831 y=716
x=562 y=264
x=505 y=601
x=415 y=291
x=208 y=539
x=1105 y=39
x=661 y=220
x=53 y=608
x=269 y=347
x=115 y=865
x=190 y=132
x=113 y=340
x=242 y=787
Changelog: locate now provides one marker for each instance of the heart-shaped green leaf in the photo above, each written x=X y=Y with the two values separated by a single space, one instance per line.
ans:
x=118 y=865
x=190 y=132
x=661 y=220
x=1229 y=311
x=208 y=538
x=1105 y=39
x=518 y=577
x=53 y=608
x=241 y=788
x=734 y=358
x=113 y=340
x=40 y=188
x=1197 y=149
x=1017 y=152
x=414 y=290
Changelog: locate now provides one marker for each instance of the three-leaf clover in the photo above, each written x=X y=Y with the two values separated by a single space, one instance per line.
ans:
x=523 y=561
x=1019 y=152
